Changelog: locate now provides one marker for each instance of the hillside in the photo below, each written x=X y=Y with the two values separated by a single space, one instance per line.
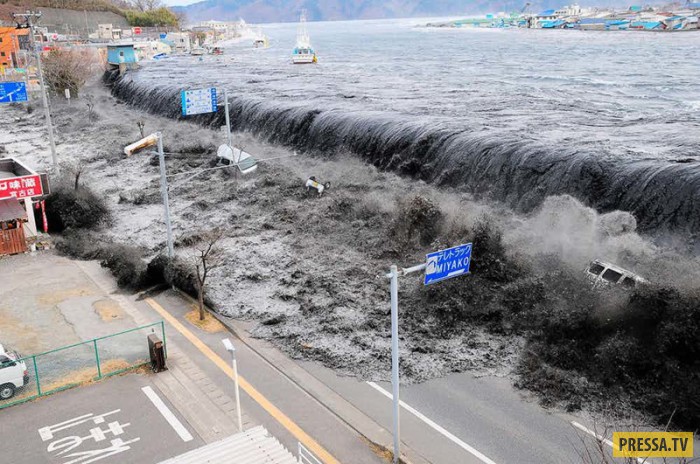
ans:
x=262 y=11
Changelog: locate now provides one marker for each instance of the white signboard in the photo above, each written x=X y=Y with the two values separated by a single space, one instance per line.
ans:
x=198 y=101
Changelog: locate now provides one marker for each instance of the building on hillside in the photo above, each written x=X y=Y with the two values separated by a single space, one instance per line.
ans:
x=11 y=42
x=180 y=42
x=545 y=16
x=108 y=32
x=219 y=26
x=122 y=56
x=592 y=24
x=148 y=49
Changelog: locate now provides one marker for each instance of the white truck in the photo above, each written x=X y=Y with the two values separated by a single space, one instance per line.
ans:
x=13 y=373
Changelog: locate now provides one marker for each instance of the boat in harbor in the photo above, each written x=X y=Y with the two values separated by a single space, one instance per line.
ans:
x=260 y=40
x=303 y=52
x=197 y=51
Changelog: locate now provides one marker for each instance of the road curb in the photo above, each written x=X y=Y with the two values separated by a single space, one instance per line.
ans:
x=345 y=411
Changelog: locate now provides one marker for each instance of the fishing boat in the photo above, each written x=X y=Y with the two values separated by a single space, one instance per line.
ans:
x=303 y=52
x=216 y=51
x=197 y=51
x=260 y=40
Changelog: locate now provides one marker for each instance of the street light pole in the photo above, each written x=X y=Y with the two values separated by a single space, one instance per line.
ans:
x=47 y=111
x=164 y=193
x=394 y=291
x=232 y=349
x=393 y=275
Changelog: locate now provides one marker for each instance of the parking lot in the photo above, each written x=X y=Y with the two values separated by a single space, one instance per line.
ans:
x=48 y=302
x=123 y=420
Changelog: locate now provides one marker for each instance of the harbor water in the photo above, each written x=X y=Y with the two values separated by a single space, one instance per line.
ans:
x=514 y=114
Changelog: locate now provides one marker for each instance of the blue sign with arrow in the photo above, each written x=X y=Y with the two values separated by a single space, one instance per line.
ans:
x=445 y=264
x=12 y=92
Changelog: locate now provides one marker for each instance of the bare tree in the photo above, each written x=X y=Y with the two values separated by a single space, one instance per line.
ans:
x=146 y=5
x=69 y=69
x=74 y=168
x=207 y=257
x=90 y=103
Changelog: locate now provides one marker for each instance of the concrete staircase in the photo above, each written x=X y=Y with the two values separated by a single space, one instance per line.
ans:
x=254 y=446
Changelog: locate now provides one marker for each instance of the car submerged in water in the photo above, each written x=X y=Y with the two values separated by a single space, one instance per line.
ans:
x=602 y=274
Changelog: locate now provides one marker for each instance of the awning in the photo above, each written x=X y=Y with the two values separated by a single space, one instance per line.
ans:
x=11 y=209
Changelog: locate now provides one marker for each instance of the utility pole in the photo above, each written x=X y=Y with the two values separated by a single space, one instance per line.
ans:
x=228 y=121
x=28 y=16
x=164 y=193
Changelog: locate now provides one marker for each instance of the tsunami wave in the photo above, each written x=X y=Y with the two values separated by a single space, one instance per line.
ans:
x=660 y=193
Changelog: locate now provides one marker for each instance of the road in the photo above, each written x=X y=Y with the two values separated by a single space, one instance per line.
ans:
x=123 y=419
x=465 y=419
x=295 y=409
x=462 y=419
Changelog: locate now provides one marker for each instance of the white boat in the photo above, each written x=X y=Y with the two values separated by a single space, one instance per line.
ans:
x=260 y=40
x=303 y=52
x=197 y=51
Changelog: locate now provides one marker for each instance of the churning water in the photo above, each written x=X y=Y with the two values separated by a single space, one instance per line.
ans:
x=612 y=118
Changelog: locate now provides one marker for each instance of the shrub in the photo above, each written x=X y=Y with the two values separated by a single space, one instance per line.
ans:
x=152 y=18
x=418 y=219
x=126 y=265
x=175 y=272
x=69 y=208
x=69 y=69
x=124 y=261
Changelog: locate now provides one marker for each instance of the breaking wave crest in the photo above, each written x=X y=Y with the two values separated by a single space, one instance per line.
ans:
x=520 y=172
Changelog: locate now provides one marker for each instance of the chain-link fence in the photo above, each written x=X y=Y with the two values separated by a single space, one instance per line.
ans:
x=26 y=378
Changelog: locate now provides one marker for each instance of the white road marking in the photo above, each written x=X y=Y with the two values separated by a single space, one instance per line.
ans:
x=167 y=414
x=435 y=426
x=599 y=437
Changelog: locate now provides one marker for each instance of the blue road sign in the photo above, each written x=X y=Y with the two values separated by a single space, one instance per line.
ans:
x=445 y=264
x=198 y=101
x=11 y=92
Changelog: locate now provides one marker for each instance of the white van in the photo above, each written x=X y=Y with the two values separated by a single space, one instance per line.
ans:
x=13 y=373
x=603 y=274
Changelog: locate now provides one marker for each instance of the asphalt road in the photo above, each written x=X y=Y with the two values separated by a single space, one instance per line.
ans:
x=463 y=419
x=112 y=421
x=334 y=435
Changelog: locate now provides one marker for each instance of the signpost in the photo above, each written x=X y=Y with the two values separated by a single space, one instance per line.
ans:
x=198 y=101
x=445 y=264
x=438 y=266
x=11 y=92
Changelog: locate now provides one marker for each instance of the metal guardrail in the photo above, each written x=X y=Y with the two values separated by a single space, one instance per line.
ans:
x=73 y=365
x=306 y=456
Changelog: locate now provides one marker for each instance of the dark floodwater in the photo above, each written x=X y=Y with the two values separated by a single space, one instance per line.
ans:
x=612 y=118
